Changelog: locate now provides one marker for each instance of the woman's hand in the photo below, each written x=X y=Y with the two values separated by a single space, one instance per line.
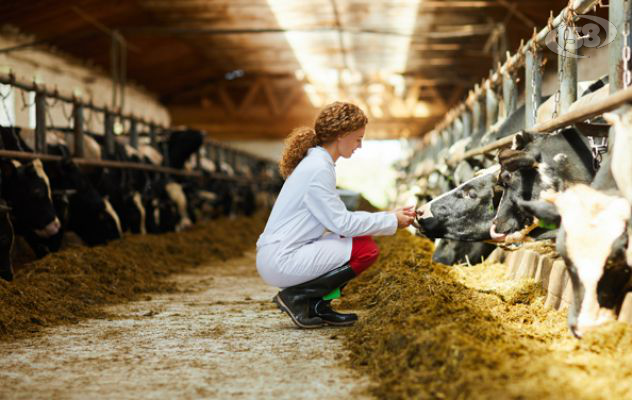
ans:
x=405 y=216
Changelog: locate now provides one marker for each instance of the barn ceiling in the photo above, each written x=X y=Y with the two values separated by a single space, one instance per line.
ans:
x=253 y=69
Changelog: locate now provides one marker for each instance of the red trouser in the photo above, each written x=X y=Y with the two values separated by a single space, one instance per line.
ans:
x=363 y=253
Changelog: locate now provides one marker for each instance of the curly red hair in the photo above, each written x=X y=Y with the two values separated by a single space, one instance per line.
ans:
x=336 y=119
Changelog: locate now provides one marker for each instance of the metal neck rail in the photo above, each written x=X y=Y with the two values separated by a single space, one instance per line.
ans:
x=120 y=164
x=579 y=114
x=480 y=110
x=513 y=63
x=220 y=151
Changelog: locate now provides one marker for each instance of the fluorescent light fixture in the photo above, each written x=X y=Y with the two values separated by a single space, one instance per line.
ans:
x=345 y=69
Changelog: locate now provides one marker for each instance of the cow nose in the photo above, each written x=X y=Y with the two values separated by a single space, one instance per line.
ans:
x=575 y=331
x=424 y=211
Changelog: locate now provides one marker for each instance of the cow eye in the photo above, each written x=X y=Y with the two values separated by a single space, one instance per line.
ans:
x=471 y=194
x=505 y=177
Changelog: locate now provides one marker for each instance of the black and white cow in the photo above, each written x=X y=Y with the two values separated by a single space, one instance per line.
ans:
x=536 y=163
x=592 y=240
x=26 y=189
x=464 y=213
x=6 y=241
x=77 y=204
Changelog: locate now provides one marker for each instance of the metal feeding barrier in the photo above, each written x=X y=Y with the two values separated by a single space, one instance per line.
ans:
x=480 y=110
x=220 y=152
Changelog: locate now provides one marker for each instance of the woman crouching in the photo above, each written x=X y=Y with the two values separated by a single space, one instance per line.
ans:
x=312 y=245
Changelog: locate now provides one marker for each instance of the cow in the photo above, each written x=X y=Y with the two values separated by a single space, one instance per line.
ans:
x=595 y=230
x=77 y=204
x=6 y=242
x=464 y=213
x=536 y=163
x=26 y=189
x=591 y=239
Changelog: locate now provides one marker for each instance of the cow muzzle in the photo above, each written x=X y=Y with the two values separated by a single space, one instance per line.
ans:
x=421 y=214
x=50 y=229
x=586 y=321
x=497 y=237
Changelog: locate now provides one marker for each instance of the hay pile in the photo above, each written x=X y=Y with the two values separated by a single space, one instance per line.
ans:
x=431 y=331
x=67 y=286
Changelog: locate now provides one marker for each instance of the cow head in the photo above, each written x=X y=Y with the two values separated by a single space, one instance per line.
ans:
x=592 y=242
x=533 y=164
x=465 y=213
x=28 y=191
x=90 y=215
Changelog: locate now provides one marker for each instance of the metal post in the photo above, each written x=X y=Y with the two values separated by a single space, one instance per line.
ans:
x=456 y=129
x=133 y=133
x=533 y=86
x=152 y=135
x=479 y=115
x=567 y=68
x=198 y=160
x=165 y=150
x=510 y=93
x=233 y=159
x=491 y=106
x=77 y=114
x=618 y=15
x=467 y=123
x=218 y=157
x=40 y=122
x=109 y=134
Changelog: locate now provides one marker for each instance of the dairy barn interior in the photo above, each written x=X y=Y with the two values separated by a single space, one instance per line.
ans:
x=139 y=152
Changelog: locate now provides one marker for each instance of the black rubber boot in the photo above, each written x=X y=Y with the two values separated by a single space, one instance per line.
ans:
x=322 y=308
x=297 y=300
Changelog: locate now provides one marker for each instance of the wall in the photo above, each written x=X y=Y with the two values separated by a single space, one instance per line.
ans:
x=69 y=76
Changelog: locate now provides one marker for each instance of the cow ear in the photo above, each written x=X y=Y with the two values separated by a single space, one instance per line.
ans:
x=521 y=140
x=513 y=160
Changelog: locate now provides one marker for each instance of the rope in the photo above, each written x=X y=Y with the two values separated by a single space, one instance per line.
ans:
x=11 y=123
x=25 y=104
x=68 y=116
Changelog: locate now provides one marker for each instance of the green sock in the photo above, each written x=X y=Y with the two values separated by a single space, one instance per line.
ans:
x=335 y=294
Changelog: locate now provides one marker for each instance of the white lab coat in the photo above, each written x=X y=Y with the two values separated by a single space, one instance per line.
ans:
x=309 y=231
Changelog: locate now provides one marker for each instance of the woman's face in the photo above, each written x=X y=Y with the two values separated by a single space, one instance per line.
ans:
x=350 y=142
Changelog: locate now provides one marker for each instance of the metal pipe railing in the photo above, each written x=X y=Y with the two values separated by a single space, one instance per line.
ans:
x=517 y=60
x=110 y=117
x=530 y=54
x=580 y=113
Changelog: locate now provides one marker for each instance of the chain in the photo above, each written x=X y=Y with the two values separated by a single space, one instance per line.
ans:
x=26 y=104
x=533 y=97
x=598 y=150
x=51 y=123
x=11 y=123
x=4 y=105
x=67 y=115
x=558 y=94
x=536 y=67
x=626 y=55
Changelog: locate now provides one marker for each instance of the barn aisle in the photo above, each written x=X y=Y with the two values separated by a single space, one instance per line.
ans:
x=216 y=335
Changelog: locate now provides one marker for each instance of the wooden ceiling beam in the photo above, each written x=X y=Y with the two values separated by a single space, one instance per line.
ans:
x=250 y=95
